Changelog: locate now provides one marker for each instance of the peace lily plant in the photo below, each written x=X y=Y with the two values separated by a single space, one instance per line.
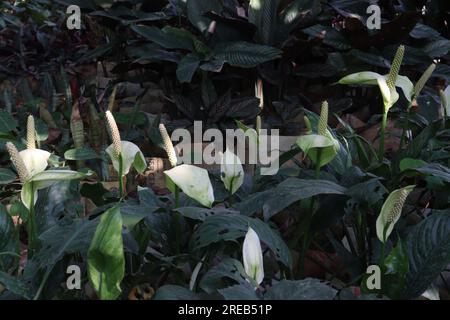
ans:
x=30 y=165
x=387 y=84
x=123 y=154
x=322 y=147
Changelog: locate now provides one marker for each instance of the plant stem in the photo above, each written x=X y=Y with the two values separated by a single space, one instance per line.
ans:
x=382 y=134
x=405 y=126
x=121 y=189
x=31 y=225
x=177 y=222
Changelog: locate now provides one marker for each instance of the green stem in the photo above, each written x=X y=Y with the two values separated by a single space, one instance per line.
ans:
x=382 y=134
x=177 y=222
x=405 y=126
x=121 y=189
x=31 y=225
x=319 y=156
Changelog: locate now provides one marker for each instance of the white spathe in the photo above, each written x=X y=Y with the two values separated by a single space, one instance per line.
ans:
x=193 y=181
x=35 y=160
x=252 y=256
x=131 y=156
x=390 y=97
x=231 y=171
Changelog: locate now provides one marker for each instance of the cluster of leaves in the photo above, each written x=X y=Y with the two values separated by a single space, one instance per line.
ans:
x=321 y=220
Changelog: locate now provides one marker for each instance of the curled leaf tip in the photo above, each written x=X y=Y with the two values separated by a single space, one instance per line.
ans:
x=114 y=132
x=17 y=161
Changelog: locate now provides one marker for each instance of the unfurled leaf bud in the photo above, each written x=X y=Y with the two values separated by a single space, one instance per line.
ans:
x=423 y=79
x=168 y=146
x=113 y=133
x=395 y=67
x=31 y=133
x=17 y=161
x=323 y=120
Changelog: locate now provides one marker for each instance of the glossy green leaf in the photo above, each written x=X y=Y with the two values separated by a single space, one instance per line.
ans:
x=307 y=289
x=6 y=176
x=106 y=261
x=428 y=251
x=230 y=227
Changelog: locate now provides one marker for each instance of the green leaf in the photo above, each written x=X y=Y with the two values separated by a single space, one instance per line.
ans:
x=263 y=14
x=428 y=251
x=230 y=269
x=80 y=154
x=7 y=122
x=201 y=214
x=230 y=227
x=165 y=37
x=187 y=67
x=106 y=261
x=6 y=176
x=172 y=292
x=410 y=164
x=239 y=292
x=307 y=289
x=436 y=170
x=396 y=270
x=61 y=240
x=15 y=285
x=196 y=10
x=245 y=55
x=8 y=240
x=286 y=193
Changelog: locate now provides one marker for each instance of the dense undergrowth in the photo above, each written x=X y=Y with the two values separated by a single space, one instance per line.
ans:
x=90 y=182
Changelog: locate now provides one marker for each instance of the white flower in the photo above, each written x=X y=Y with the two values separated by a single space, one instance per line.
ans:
x=193 y=181
x=35 y=160
x=252 y=256
x=131 y=156
x=231 y=171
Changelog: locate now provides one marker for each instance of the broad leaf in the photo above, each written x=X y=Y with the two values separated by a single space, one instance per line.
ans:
x=228 y=269
x=7 y=122
x=286 y=193
x=245 y=54
x=187 y=67
x=307 y=289
x=231 y=227
x=6 y=176
x=106 y=261
x=172 y=292
x=428 y=251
